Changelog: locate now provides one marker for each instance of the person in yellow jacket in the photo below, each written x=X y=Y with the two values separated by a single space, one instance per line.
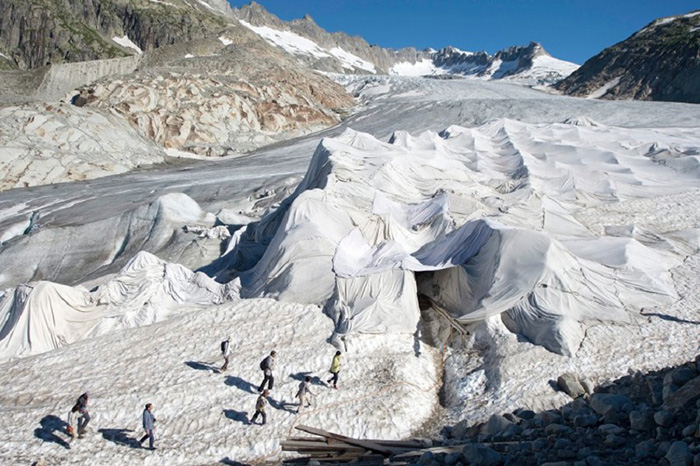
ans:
x=335 y=369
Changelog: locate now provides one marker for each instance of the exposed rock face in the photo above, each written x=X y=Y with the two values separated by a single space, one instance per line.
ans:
x=509 y=62
x=228 y=99
x=659 y=62
x=382 y=58
x=43 y=144
x=42 y=32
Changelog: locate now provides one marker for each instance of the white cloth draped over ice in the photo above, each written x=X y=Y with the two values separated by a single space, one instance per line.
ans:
x=487 y=213
x=47 y=315
x=481 y=220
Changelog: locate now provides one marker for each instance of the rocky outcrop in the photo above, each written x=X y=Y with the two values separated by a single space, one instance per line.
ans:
x=43 y=32
x=331 y=48
x=46 y=143
x=382 y=58
x=659 y=62
x=232 y=95
x=624 y=422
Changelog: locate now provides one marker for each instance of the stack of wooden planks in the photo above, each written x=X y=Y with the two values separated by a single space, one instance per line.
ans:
x=328 y=447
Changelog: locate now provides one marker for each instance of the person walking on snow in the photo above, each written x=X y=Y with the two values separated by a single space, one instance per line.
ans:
x=260 y=407
x=226 y=352
x=148 y=425
x=72 y=415
x=335 y=368
x=304 y=393
x=267 y=365
x=84 y=418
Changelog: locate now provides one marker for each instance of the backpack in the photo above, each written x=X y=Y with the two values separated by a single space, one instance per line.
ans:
x=263 y=364
x=224 y=346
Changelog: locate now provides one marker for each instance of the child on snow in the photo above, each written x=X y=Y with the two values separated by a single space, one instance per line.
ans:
x=304 y=392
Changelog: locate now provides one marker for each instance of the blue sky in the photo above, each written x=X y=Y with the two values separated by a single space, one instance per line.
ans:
x=573 y=30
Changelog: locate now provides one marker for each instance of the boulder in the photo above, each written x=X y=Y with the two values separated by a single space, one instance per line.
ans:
x=558 y=429
x=480 y=455
x=602 y=403
x=611 y=429
x=495 y=424
x=688 y=394
x=664 y=418
x=679 y=454
x=641 y=420
x=570 y=384
x=585 y=420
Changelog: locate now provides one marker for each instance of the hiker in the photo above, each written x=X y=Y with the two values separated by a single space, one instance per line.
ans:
x=304 y=392
x=148 y=425
x=226 y=352
x=72 y=415
x=260 y=407
x=267 y=365
x=335 y=368
x=84 y=418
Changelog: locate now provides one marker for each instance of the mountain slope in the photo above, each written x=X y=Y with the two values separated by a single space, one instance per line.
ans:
x=41 y=32
x=339 y=52
x=659 y=62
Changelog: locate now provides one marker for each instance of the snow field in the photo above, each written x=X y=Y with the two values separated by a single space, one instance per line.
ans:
x=385 y=391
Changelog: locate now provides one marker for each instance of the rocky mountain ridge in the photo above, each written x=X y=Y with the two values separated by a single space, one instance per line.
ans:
x=659 y=62
x=507 y=63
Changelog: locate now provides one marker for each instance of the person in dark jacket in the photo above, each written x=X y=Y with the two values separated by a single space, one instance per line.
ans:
x=267 y=365
x=149 y=421
x=84 y=418
x=260 y=407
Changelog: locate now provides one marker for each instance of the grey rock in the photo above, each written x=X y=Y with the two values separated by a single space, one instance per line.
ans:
x=602 y=403
x=480 y=455
x=570 y=384
x=662 y=448
x=509 y=433
x=556 y=463
x=547 y=417
x=451 y=459
x=594 y=461
x=525 y=413
x=460 y=429
x=614 y=441
x=679 y=454
x=495 y=424
x=427 y=458
x=586 y=420
x=689 y=430
x=641 y=420
x=696 y=460
x=611 y=429
x=558 y=429
x=644 y=449
x=664 y=418
x=587 y=385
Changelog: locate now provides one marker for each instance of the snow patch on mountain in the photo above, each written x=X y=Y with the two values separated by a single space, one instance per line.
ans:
x=296 y=44
x=602 y=90
x=128 y=43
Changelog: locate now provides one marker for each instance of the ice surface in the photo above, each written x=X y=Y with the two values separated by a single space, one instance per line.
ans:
x=604 y=205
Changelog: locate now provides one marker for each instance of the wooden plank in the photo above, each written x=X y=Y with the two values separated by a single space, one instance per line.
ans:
x=299 y=446
x=360 y=443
